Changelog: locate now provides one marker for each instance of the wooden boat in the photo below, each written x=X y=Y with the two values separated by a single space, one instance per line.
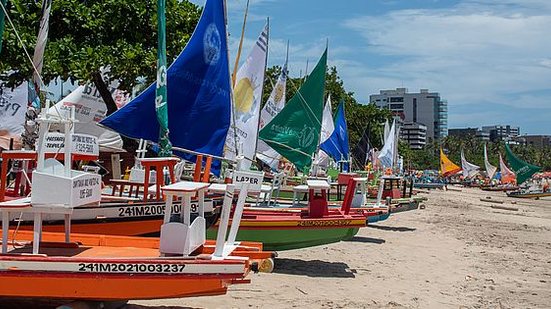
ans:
x=285 y=228
x=374 y=212
x=398 y=200
x=524 y=194
x=428 y=185
x=499 y=188
x=127 y=267
x=114 y=215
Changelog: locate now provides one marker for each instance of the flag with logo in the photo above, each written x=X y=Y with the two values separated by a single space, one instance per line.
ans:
x=273 y=106
x=295 y=131
x=247 y=97
x=198 y=94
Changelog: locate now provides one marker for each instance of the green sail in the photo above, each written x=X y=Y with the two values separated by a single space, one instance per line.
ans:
x=523 y=169
x=295 y=131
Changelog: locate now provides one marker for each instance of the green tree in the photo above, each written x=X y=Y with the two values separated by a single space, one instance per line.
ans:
x=87 y=35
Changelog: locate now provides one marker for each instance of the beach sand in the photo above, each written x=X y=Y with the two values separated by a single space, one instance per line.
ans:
x=458 y=252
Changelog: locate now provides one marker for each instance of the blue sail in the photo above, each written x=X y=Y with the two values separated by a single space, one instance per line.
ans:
x=199 y=99
x=336 y=146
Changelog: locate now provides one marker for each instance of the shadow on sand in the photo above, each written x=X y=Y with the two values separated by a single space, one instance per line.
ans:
x=313 y=268
x=368 y=240
x=131 y=306
x=392 y=228
x=53 y=304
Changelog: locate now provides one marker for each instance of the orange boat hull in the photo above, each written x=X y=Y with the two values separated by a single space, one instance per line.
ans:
x=107 y=287
x=105 y=267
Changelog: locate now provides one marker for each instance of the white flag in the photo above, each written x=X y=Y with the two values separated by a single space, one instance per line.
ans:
x=247 y=95
x=386 y=156
x=273 y=106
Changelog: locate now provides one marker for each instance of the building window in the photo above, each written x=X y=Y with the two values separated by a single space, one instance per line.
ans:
x=397 y=106
x=414 y=109
x=400 y=99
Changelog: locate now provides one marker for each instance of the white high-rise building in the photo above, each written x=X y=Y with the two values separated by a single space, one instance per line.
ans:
x=424 y=108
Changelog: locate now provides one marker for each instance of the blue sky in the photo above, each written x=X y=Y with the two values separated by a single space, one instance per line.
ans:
x=491 y=59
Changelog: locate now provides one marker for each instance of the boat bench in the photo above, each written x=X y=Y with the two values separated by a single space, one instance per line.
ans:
x=22 y=206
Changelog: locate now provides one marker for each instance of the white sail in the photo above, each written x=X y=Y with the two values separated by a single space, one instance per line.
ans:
x=507 y=176
x=89 y=110
x=469 y=169
x=243 y=133
x=387 y=154
x=13 y=106
x=490 y=169
x=386 y=131
x=327 y=127
x=273 y=106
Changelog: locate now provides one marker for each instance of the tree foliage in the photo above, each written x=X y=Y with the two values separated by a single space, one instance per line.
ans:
x=428 y=158
x=87 y=35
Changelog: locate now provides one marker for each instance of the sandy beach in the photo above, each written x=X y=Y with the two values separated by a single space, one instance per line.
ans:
x=458 y=252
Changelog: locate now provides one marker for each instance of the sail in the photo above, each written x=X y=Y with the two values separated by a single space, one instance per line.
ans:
x=386 y=131
x=447 y=167
x=522 y=169
x=247 y=98
x=336 y=146
x=199 y=97
x=273 y=106
x=387 y=155
x=327 y=128
x=38 y=56
x=469 y=169
x=490 y=169
x=13 y=104
x=295 y=131
x=507 y=176
x=89 y=110
x=361 y=152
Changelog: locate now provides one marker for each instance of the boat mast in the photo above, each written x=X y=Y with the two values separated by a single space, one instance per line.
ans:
x=234 y=76
x=236 y=65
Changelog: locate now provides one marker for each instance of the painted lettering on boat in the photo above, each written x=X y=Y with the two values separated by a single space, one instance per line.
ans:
x=252 y=180
x=155 y=210
x=130 y=268
x=325 y=222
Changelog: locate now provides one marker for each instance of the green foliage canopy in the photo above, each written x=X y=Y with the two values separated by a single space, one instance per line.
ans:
x=86 y=35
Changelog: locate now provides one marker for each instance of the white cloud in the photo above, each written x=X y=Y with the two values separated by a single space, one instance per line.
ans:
x=465 y=53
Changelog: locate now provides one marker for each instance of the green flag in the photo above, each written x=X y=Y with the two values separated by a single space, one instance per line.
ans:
x=160 y=91
x=4 y=2
x=295 y=131
x=523 y=169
